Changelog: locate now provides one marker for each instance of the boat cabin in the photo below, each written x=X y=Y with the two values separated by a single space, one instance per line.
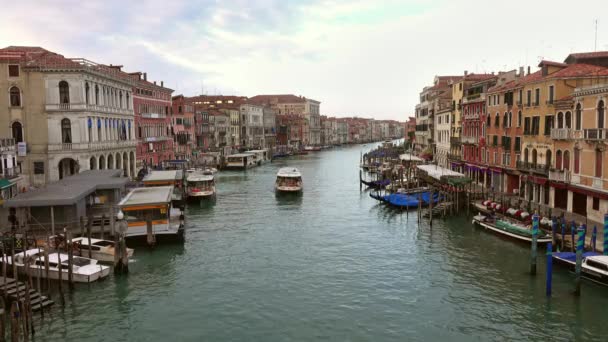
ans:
x=240 y=161
x=260 y=156
x=289 y=179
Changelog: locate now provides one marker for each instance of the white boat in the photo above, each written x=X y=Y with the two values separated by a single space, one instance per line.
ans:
x=260 y=156
x=240 y=161
x=509 y=229
x=289 y=179
x=595 y=268
x=101 y=250
x=200 y=185
x=84 y=270
x=153 y=203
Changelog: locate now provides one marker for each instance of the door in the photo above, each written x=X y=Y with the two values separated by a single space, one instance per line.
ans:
x=579 y=204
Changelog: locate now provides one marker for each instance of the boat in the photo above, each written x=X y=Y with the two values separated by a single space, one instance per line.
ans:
x=200 y=185
x=174 y=178
x=240 y=161
x=312 y=148
x=84 y=270
x=378 y=184
x=568 y=259
x=260 y=156
x=154 y=204
x=509 y=229
x=289 y=179
x=101 y=250
x=595 y=268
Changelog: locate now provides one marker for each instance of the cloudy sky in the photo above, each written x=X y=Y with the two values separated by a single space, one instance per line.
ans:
x=362 y=57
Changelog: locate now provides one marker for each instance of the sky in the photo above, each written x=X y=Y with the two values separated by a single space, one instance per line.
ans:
x=367 y=58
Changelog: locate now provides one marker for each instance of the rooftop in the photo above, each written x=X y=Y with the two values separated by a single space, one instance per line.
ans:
x=69 y=190
x=147 y=196
x=165 y=175
x=289 y=172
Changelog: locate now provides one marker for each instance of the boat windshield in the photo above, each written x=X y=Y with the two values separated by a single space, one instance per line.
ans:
x=289 y=181
x=203 y=185
x=77 y=261
x=598 y=265
x=103 y=243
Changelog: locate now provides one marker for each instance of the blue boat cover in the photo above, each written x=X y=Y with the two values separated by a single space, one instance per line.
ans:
x=571 y=256
x=410 y=201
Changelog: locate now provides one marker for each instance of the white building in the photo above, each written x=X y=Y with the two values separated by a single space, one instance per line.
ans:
x=442 y=136
x=252 y=125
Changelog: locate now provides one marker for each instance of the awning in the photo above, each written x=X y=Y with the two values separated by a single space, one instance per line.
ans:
x=5 y=183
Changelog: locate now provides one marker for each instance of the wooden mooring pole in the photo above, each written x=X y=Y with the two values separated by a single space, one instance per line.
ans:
x=579 y=260
x=533 y=253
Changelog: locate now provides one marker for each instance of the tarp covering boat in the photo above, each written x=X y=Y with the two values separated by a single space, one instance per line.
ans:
x=516 y=229
x=408 y=200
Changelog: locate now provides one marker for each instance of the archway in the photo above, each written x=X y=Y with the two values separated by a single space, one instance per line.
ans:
x=110 y=161
x=132 y=164
x=93 y=163
x=118 y=161
x=67 y=167
x=125 y=164
x=548 y=159
x=526 y=155
x=534 y=157
x=102 y=162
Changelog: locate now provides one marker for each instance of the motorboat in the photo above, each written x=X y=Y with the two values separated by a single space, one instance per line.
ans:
x=289 y=179
x=595 y=268
x=200 y=185
x=510 y=229
x=84 y=270
x=241 y=161
x=101 y=250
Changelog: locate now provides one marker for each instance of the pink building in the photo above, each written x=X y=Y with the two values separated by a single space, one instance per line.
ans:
x=183 y=127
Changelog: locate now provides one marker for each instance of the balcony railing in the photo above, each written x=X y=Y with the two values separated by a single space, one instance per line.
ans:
x=598 y=183
x=533 y=167
x=7 y=144
x=91 y=146
x=469 y=140
x=596 y=134
x=454 y=156
x=566 y=134
x=66 y=107
x=560 y=175
x=153 y=115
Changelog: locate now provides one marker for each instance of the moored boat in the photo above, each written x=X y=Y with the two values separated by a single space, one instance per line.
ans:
x=240 y=161
x=595 y=268
x=84 y=270
x=259 y=156
x=289 y=179
x=568 y=259
x=101 y=250
x=510 y=230
x=200 y=185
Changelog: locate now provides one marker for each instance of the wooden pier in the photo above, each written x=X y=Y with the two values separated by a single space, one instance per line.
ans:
x=15 y=290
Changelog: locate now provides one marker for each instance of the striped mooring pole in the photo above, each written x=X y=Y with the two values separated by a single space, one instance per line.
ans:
x=579 y=259
x=563 y=232
x=553 y=231
x=533 y=253
x=549 y=269
x=593 y=238
x=572 y=233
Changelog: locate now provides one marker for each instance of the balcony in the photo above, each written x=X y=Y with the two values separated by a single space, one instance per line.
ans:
x=81 y=107
x=454 y=156
x=533 y=167
x=454 y=141
x=468 y=140
x=91 y=146
x=7 y=144
x=153 y=115
x=596 y=134
x=598 y=183
x=566 y=134
x=560 y=175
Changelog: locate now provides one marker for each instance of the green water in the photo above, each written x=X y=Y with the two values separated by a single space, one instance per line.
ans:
x=331 y=264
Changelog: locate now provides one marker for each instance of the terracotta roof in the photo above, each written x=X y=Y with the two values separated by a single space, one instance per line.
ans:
x=502 y=87
x=281 y=98
x=478 y=77
x=580 y=70
x=585 y=55
x=531 y=78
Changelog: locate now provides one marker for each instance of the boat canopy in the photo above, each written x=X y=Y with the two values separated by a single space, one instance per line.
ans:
x=163 y=176
x=289 y=172
x=147 y=196
x=199 y=177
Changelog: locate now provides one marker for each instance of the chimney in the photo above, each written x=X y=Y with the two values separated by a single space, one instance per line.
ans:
x=162 y=83
x=154 y=82
x=528 y=70
x=466 y=72
x=145 y=76
x=521 y=71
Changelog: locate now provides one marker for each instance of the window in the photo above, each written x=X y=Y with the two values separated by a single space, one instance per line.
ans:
x=536 y=96
x=521 y=96
x=86 y=92
x=505 y=120
x=548 y=124
x=529 y=98
x=15 y=97
x=510 y=119
x=577 y=160
x=566 y=160
x=64 y=92
x=489 y=121
x=17 y=131
x=596 y=203
x=120 y=99
x=579 y=116
x=13 y=70
x=38 y=167
x=598 y=163
x=527 y=128
x=519 y=119
x=600 y=114
x=96 y=95
x=517 y=144
x=558 y=160
x=66 y=131
x=560 y=120
x=535 y=125
x=497 y=120
x=551 y=90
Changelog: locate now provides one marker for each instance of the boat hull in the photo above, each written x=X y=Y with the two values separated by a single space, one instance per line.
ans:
x=517 y=237
x=288 y=189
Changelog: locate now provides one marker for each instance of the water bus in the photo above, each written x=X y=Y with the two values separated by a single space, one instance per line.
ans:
x=260 y=156
x=200 y=184
x=289 y=179
x=240 y=161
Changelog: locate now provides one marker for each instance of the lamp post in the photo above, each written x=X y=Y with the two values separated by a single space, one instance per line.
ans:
x=121 y=257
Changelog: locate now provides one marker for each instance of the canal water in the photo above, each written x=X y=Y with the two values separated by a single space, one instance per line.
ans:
x=331 y=264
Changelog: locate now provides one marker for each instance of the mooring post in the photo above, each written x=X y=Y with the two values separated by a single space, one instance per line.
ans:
x=605 y=248
x=572 y=233
x=15 y=318
x=563 y=233
x=103 y=227
x=593 y=238
x=549 y=269
x=553 y=230
x=579 y=260
x=533 y=253
x=89 y=226
x=431 y=206
x=70 y=251
x=360 y=180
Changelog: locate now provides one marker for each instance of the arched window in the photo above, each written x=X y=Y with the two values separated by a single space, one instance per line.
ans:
x=489 y=121
x=558 y=160
x=497 y=120
x=525 y=155
x=548 y=160
x=15 y=97
x=17 y=131
x=120 y=99
x=86 y=92
x=600 y=114
x=568 y=120
x=560 y=120
x=128 y=104
x=96 y=94
x=577 y=160
x=99 y=130
x=566 y=160
x=598 y=163
x=64 y=92
x=534 y=157
x=66 y=131
x=93 y=163
x=579 y=116
x=510 y=119
x=505 y=120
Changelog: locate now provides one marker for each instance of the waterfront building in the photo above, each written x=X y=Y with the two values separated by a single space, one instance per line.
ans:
x=219 y=126
x=270 y=127
x=152 y=108
x=234 y=136
x=342 y=131
x=183 y=128
x=295 y=105
x=70 y=114
x=443 y=132
x=252 y=126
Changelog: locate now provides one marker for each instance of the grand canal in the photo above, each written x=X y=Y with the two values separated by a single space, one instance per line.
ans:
x=331 y=264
